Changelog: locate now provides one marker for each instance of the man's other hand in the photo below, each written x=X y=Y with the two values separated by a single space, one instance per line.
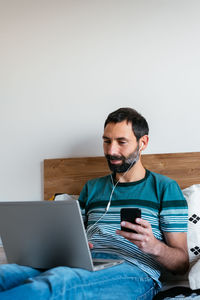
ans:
x=90 y=245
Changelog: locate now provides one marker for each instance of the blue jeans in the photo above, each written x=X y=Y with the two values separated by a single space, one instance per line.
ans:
x=118 y=282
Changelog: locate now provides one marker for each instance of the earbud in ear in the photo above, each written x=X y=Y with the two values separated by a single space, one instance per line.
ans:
x=141 y=146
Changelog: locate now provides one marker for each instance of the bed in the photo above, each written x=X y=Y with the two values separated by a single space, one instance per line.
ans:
x=68 y=176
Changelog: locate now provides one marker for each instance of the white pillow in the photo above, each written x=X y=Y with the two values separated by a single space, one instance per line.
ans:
x=192 y=195
x=61 y=197
x=194 y=276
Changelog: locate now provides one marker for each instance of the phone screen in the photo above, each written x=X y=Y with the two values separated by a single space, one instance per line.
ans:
x=129 y=215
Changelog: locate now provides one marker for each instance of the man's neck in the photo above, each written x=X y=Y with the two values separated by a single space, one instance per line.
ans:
x=136 y=173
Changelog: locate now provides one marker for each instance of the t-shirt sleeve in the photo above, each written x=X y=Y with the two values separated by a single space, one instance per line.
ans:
x=174 y=209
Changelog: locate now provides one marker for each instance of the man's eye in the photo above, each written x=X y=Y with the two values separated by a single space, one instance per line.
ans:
x=122 y=142
x=106 y=141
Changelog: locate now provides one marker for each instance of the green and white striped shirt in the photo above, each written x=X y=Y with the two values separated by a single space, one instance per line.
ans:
x=161 y=202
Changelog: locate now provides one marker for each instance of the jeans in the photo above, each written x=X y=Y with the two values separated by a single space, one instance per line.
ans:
x=117 y=282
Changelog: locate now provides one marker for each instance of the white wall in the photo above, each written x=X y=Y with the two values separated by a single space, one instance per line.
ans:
x=64 y=65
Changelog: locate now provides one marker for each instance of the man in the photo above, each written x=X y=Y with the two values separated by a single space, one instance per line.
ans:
x=159 y=241
x=164 y=210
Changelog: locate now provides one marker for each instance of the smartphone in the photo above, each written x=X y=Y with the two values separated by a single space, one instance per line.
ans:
x=129 y=215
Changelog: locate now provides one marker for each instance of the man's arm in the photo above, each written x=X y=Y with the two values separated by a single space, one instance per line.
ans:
x=173 y=255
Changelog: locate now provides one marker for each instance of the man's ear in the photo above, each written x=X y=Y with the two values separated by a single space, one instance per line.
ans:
x=143 y=142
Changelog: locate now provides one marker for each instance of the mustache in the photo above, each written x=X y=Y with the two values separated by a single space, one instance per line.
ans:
x=114 y=157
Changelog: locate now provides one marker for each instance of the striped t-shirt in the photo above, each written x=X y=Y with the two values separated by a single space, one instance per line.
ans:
x=161 y=202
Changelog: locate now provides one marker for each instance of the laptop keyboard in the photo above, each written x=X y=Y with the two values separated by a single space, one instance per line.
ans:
x=97 y=263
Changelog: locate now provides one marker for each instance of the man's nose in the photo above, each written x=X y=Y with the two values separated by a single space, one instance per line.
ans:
x=112 y=149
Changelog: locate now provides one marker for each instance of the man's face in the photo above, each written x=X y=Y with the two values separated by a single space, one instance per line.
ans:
x=121 y=148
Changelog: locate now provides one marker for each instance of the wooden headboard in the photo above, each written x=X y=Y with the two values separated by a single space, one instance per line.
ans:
x=68 y=175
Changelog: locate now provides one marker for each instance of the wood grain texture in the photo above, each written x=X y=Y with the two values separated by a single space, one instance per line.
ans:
x=68 y=175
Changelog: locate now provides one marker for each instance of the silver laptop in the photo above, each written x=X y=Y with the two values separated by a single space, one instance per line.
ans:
x=46 y=234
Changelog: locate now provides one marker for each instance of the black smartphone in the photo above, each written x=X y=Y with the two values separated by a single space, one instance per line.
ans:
x=129 y=215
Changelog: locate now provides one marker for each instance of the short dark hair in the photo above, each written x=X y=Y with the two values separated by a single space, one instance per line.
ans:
x=139 y=124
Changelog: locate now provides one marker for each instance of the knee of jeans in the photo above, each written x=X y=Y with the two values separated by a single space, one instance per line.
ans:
x=12 y=275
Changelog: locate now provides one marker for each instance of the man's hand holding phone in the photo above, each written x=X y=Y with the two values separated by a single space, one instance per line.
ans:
x=138 y=231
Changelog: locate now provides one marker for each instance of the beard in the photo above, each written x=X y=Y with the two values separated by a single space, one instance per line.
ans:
x=127 y=162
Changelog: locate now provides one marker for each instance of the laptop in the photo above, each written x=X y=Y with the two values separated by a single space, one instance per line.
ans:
x=46 y=234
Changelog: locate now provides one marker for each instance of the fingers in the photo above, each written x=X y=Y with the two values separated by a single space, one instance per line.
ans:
x=143 y=223
x=142 y=231
x=130 y=236
x=90 y=245
x=140 y=227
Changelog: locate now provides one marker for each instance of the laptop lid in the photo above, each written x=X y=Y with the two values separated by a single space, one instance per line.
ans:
x=44 y=234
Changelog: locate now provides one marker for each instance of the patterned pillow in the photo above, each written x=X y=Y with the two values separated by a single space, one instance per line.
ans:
x=192 y=195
